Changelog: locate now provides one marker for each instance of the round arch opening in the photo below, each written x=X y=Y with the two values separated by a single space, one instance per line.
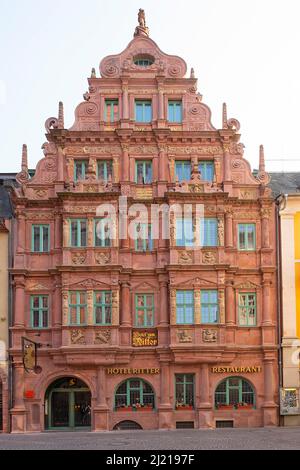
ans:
x=235 y=392
x=68 y=405
x=128 y=426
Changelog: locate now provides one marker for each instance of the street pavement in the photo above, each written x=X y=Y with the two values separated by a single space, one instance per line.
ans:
x=223 y=439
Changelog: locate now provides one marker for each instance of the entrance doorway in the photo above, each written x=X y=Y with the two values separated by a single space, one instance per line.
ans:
x=68 y=405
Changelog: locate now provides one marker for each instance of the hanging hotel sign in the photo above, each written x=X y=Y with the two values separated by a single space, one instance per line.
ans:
x=124 y=371
x=29 y=352
x=236 y=370
x=142 y=339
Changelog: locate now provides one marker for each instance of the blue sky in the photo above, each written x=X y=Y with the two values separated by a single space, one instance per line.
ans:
x=244 y=52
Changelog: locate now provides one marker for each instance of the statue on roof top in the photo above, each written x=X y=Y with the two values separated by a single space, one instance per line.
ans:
x=142 y=29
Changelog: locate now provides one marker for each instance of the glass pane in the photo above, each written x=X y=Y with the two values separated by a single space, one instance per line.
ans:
x=148 y=175
x=82 y=409
x=83 y=234
x=140 y=173
x=74 y=233
x=36 y=239
x=148 y=112
x=36 y=319
x=45 y=319
x=140 y=317
x=180 y=315
x=205 y=314
x=149 y=300
x=45 y=239
x=242 y=237
x=189 y=315
x=189 y=392
x=82 y=298
x=108 y=315
x=36 y=302
x=178 y=113
x=189 y=297
x=60 y=409
x=82 y=315
x=98 y=315
x=251 y=237
x=80 y=170
x=149 y=317
x=139 y=112
x=73 y=315
x=45 y=302
x=233 y=396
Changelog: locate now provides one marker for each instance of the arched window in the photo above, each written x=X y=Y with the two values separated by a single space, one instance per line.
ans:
x=235 y=392
x=134 y=393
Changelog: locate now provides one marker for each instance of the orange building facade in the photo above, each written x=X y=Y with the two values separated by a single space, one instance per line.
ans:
x=141 y=330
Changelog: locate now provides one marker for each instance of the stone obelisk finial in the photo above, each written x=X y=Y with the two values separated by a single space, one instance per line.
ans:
x=93 y=74
x=61 y=118
x=24 y=164
x=224 y=117
x=142 y=29
x=23 y=176
x=262 y=163
x=192 y=73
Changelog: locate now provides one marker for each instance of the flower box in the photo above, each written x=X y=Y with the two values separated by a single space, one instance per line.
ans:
x=184 y=407
x=125 y=408
x=244 y=407
x=225 y=407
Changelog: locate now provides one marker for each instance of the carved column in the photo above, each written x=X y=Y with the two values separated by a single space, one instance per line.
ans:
x=66 y=233
x=165 y=385
x=125 y=102
x=220 y=231
x=230 y=304
x=267 y=317
x=115 y=307
x=204 y=387
x=101 y=387
x=173 y=306
x=227 y=163
x=56 y=315
x=172 y=168
x=222 y=306
x=229 y=228
x=65 y=307
x=90 y=307
x=268 y=382
x=57 y=231
x=60 y=164
x=197 y=306
x=18 y=385
x=162 y=163
x=164 y=311
x=161 y=114
x=19 y=319
x=116 y=169
x=265 y=228
x=21 y=231
x=125 y=165
x=90 y=232
x=126 y=306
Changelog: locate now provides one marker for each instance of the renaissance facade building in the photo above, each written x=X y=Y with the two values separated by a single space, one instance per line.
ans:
x=143 y=331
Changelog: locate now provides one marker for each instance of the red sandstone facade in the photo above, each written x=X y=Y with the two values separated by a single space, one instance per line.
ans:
x=95 y=354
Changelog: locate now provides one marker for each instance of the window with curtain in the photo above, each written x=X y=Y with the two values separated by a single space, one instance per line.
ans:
x=135 y=393
x=143 y=111
x=40 y=239
x=39 y=308
x=78 y=229
x=209 y=306
x=184 y=232
x=77 y=308
x=144 y=310
x=144 y=241
x=104 y=170
x=143 y=172
x=247 y=309
x=184 y=390
x=175 y=111
x=207 y=170
x=185 y=307
x=246 y=237
x=234 y=391
x=103 y=308
x=183 y=170
x=102 y=230
x=80 y=169
x=111 y=112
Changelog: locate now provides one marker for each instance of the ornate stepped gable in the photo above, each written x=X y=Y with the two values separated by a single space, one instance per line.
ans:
x=123 y=78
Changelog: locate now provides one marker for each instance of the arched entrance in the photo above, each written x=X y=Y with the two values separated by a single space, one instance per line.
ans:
x=1 y=406
x=127 y=426
x=68 y=405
